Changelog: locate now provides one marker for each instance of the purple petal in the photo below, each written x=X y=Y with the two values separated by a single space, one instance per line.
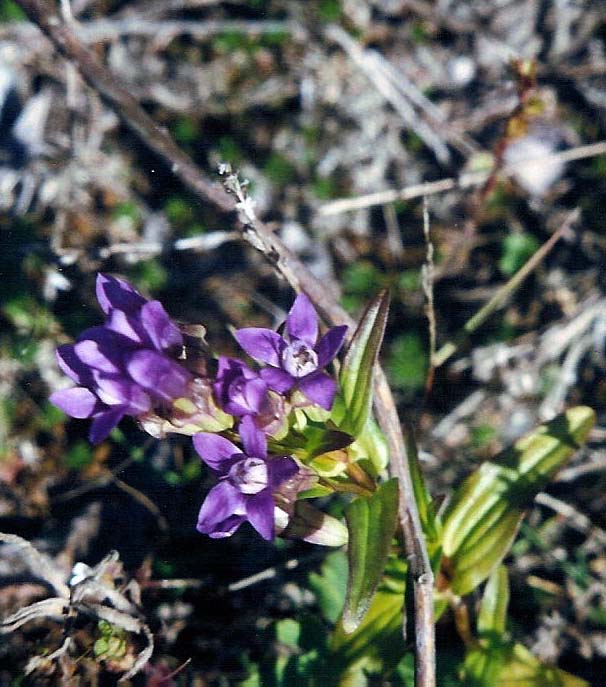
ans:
x=116 y=391
x=162 y=332
x=276 y=379
x=280 y=469
x=163 y=377
x=117 y=294
x=260 y=513
x=238 y=389
x=329 y=344
x=76 y=402
x=223 y=529
x=319 y=388
x=302 y=321
x=71 y=365
x=263 y=345
x=253 y=440
x=130 y=327
x=216 y=451
x=104 y=423
x=89 y=352
x=216 y=516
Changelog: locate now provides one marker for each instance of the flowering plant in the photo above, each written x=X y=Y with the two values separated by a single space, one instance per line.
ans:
x=291 y=426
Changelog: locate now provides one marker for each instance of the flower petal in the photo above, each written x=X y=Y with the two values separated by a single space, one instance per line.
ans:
x=113 y=293
x=222 y=502
x=280 y=469
x=103 y=424
x=329 y=344
x=126 y=325
x=159 y=375
x=253 y=440
x=319 y=388
x=302 y=321
x=91 y=354
x=225 y=528
x=263 y=345
x=71 y=365
x=161 y=330
x=216 y=451
x=276 y=379
x=117 y=391
x=76 y=402
x=260 y=513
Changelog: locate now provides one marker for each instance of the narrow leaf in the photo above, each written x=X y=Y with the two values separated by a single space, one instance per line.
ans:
x=371 y=522
x=483 y=517
x=357 y=370
x=493 y=609
x=422 y=497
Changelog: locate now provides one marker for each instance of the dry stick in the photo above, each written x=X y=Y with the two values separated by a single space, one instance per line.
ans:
x=504 y=292
x=465 y=180
x=42 y=13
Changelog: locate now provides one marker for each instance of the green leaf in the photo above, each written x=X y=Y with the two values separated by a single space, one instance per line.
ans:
x=371 y=444
x=493 y=609
x=513 y=666
x=330 y=585
x=522 y=669
x=358 y=366
x=482 y=519
x=371 y=522
x=376 y=646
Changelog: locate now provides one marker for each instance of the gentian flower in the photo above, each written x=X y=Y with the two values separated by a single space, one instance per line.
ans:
x=247 y=480
x=238 y=389
x=296 y=360
x=123 y=367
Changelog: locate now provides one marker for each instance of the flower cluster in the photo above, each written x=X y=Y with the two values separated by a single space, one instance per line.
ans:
x=124 y=367
x=137 y=364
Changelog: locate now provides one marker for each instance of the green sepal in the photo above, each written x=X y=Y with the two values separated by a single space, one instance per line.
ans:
x=481 y=521
x=371 y=522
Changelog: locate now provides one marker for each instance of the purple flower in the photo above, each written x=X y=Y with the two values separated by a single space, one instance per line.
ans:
x=121 y=368
x=296 y=359
x=247 y=480
x=238 y=389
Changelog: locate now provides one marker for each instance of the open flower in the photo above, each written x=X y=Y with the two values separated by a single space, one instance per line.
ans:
x=296 y=360
x=247 y=480
x=123 y=367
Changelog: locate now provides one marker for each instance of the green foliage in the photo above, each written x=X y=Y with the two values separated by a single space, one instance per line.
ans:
x=186 y=130
x=229 y=150
x=79 y=456
x=112 y=642
x=516 y=250
x=494 y=660
x=430 y=521
x=483 y=517
x=279 y=169
x=375 y=647
x=407 y=362
x=371 y=523
x=330 y=10
x=324 y=188
x=10 y=11
x=330 y=585
x=149 y=275
x=357 y=370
